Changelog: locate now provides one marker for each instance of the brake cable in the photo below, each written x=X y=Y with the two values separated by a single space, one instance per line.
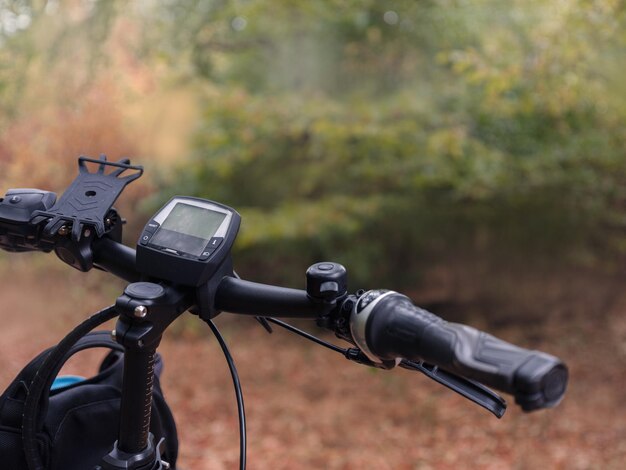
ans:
x=241 y=412
x=306 y=335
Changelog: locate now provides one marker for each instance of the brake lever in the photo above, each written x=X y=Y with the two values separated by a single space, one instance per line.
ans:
x=473 y=391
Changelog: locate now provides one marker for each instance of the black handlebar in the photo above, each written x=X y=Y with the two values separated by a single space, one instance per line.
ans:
x=116 y=258
x=84 y=230
x=385 y=325
x=239 y=296
x=393 y=327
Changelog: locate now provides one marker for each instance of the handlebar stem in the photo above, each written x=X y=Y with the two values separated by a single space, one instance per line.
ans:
x=146 y=310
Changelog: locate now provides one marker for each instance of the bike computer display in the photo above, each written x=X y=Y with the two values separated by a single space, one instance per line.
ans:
x=187 y=240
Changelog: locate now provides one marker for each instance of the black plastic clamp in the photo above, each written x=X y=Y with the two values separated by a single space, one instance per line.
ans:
x=89 y=198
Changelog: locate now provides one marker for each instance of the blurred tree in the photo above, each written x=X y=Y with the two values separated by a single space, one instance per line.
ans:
x=410 y=127
x=377 y=130
x=57 y=100
x=43 y=41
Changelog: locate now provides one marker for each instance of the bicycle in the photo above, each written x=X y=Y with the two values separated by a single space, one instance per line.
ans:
x=182 y=262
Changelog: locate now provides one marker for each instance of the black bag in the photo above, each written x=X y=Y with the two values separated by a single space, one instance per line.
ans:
x=81 y=423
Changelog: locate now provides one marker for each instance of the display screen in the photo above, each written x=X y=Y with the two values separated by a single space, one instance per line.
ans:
x=188 y=228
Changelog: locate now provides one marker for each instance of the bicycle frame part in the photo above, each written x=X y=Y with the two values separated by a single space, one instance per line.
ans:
x=146 y=310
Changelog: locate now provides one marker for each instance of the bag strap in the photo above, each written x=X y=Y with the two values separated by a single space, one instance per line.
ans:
x=94 y=339
x=12 y=400
x=30 y=416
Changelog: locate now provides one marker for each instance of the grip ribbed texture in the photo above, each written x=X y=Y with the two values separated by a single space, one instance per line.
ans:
x=397 y=328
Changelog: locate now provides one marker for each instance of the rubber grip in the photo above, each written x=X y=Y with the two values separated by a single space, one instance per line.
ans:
x=397 y=328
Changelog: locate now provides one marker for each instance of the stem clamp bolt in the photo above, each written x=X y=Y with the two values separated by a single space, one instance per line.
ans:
x=140 y=311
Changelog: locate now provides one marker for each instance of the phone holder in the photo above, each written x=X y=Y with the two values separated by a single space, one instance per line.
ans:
x=89 y=198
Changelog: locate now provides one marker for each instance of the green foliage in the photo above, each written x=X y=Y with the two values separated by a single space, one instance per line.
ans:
x=57 y=99
x=49 y=44
x=370 y=132
x=381 y=134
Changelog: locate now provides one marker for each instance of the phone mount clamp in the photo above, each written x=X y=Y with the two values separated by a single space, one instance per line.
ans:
x=85 y=210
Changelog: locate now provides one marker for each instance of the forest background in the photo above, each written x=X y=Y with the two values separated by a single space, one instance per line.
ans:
x=470 y=154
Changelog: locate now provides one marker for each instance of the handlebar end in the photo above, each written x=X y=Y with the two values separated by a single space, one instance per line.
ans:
x=540 y=382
